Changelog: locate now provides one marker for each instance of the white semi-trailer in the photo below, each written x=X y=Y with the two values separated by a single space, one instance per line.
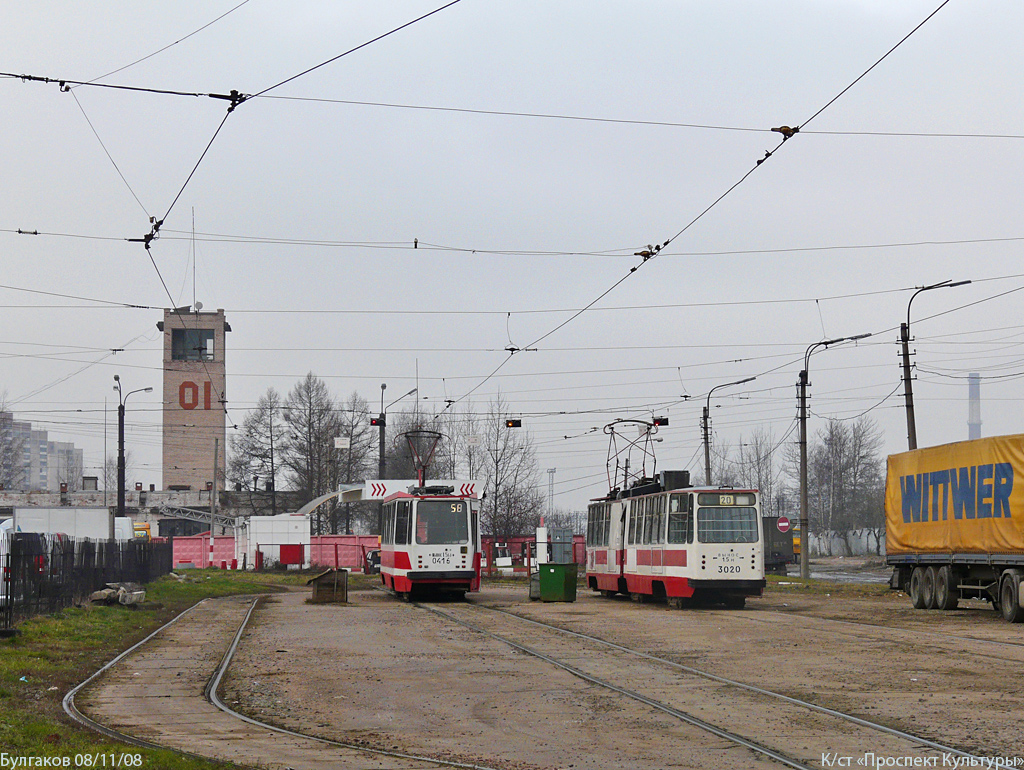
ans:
x=92 y=523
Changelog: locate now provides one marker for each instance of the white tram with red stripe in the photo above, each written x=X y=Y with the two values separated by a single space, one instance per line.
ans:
x=431 y=541
x=663 y=539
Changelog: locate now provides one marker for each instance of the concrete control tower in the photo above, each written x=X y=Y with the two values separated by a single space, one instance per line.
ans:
x=194 y=397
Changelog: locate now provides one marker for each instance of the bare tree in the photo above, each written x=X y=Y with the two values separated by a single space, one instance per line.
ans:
x=756 y=467
x=110 y=471
x=313 y=424
x=724 y=470
x=356 y=462
x=69 y=469
x=845 y=481
x=516 y=499
x=257 y=448
x=462 y=454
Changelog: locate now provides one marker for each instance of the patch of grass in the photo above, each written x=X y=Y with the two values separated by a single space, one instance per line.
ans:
x=811 y=586
x=53 y=653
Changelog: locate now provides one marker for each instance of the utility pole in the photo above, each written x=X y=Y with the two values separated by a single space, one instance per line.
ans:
x=805 y=527
x=213 y=496
x=707 y=426
x=273 y=486
x=908 y=391
x=551 y=490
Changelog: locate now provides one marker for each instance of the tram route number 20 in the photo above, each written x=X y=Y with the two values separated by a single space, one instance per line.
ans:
x=189 y=395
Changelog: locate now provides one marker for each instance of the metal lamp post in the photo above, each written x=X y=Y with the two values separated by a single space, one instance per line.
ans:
x=908 y=391
x=805 y=570
x=381 y=423
x=707 y=426
x=122 y=398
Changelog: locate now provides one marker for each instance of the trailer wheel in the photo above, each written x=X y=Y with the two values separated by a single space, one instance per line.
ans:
x=915 y=592
x=1008 y=604
x=928 y=589
x=947 y=595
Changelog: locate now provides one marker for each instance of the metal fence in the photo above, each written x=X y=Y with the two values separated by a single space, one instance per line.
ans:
x=43 y=573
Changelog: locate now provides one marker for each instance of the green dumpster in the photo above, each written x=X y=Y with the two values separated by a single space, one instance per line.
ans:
x=558 y=582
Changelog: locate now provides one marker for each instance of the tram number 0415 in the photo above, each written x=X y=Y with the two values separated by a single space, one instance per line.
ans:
x=726 y=569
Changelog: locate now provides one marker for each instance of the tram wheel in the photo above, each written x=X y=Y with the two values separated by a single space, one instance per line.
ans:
x=608 y=594
x=639 y=598
x=679 y=602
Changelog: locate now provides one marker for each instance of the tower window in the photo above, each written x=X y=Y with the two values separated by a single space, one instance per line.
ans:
x=192 y=344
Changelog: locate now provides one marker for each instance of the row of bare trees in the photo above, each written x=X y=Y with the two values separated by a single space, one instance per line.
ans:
x=845 y=480
x=289 y=442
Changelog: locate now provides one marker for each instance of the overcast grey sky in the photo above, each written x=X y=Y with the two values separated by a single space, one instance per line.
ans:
x=911 y=177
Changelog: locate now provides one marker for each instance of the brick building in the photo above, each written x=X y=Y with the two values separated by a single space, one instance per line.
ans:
x=194 y=398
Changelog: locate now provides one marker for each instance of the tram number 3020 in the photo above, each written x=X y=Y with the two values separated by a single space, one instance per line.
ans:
x=728 y=569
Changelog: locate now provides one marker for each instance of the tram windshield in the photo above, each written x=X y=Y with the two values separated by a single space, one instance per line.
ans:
x=727 y=525
x=441 y=522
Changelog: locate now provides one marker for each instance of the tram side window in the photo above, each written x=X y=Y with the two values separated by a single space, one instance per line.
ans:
x=388 y=535
x=402 y=522
x=592 y=525
x=606 y=523
x=647 y=519
x=680 y=519
x=632 y=522
x=727 y=525
x=658 y=514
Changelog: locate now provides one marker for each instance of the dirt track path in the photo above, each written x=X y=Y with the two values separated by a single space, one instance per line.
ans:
x=157 y=694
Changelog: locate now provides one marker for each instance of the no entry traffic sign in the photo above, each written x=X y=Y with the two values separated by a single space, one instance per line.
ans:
x=782 y=524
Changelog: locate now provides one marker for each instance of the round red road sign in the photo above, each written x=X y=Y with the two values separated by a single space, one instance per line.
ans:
x=782 y=524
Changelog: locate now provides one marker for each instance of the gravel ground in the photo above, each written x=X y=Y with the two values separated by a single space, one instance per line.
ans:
x=389 y=675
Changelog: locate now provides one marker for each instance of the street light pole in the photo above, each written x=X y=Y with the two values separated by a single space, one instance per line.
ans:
x=908 y=391
x=382 y=422
x=802 y=383
x=706 y=422
x=122 y=398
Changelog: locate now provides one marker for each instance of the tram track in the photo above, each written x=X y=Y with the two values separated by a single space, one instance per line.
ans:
x=622 y=671
x=307 y=750
x=775 y=617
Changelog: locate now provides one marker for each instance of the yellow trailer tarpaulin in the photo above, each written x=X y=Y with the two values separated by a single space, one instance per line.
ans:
x=966 y=497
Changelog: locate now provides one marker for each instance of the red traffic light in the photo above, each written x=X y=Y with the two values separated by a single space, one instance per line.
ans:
x=513 y=423
x=377 y=421
x=661 y=420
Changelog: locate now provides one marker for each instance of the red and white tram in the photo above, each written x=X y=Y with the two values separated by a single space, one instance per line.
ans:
x=664 y=539
x=430 y=542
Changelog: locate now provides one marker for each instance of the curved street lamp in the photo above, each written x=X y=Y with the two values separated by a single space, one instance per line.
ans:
x=381 y=422
x=707 y=426
x=805 y=570
x=908 y=391
x=122 y=398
